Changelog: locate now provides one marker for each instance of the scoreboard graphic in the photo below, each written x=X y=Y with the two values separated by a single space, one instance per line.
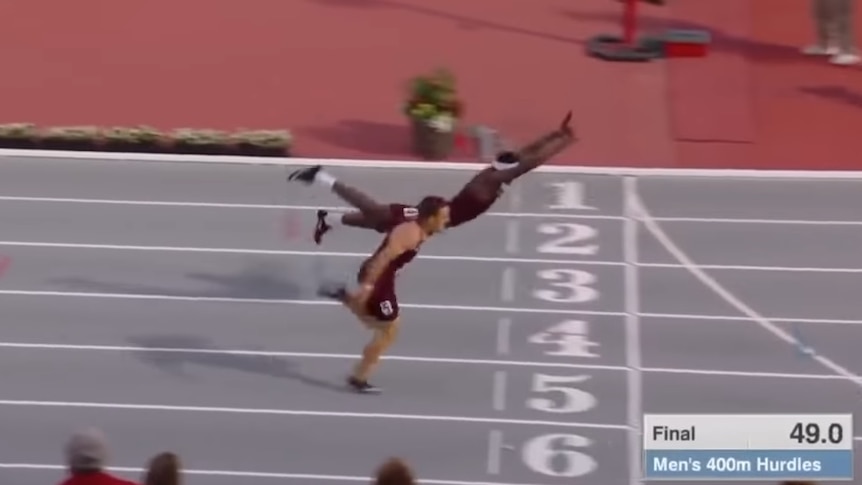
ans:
x=748 y=447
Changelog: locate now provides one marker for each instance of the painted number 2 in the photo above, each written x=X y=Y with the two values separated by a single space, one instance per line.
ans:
x=569 y=196
x=569 y=235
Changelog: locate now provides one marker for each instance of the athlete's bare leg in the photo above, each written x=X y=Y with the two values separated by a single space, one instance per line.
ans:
x=366 y=204
x=384 y=336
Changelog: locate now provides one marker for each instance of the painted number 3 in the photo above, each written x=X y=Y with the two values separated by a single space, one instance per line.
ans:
x=574 y=286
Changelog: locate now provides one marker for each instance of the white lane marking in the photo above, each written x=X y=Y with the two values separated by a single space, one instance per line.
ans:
x=504 y=332
x=286 y=252
x=223 y=205
x=789 y=222
x=507 y=285
x=708 y=281
x=631 y=296
x=212 y=299
x=735 y=267
x=248 y=474
x=342 y=254
x=736 y=318
x=513 y=236
x=303 y=413
x=495 y=446
x=405 y=358
x=529 y=215
x=499 y=391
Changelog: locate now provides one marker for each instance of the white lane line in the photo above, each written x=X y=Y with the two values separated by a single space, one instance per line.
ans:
x=631 y=296
x=736 y=267
x=789 y=222
x=507 y=285
x=513 y=229
x=495 y=447
x=246 y=474
x=504 y=335
x=221 y=205
x=209 y=299
x=155 y=203
x=303 y=413
x=438 y=257
x=708 y=281
x=735 y=318
x=405 y=358
x=499 y=391
x=287 y=252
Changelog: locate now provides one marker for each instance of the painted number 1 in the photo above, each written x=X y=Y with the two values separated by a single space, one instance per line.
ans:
x=569 y=196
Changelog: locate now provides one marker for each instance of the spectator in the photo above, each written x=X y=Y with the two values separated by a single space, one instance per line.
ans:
x=394 y=472
x=164 y=469
x=86 y=459
x=833 y=20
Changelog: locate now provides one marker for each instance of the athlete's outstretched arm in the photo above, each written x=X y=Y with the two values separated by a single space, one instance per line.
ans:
x=540 y=151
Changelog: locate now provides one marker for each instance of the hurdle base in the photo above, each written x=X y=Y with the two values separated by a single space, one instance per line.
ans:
x=614 y=48
x=686 y=43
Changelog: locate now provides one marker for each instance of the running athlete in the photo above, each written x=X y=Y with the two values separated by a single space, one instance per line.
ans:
x=474 y=199
x=375 y=302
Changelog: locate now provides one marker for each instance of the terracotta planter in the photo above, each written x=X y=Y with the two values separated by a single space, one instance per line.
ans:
x=431 y=144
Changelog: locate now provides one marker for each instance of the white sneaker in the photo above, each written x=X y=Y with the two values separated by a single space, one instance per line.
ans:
x=845 y=59
x=820 y=50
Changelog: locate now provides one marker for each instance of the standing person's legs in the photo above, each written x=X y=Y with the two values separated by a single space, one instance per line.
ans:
x=844 y=35
x=823 y=14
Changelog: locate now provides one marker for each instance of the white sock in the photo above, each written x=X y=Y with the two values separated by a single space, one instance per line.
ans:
x=324 y=179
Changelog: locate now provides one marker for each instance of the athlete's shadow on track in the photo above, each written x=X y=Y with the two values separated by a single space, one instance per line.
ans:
x=270 y=280
x=177 y=363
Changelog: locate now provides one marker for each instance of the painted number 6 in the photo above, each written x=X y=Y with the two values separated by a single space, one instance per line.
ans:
x=575 y=282
x=553 y=455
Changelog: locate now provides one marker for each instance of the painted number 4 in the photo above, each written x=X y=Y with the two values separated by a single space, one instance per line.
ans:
x=569 y=339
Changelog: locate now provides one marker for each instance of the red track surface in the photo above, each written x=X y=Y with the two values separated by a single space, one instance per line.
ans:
x=333 y=71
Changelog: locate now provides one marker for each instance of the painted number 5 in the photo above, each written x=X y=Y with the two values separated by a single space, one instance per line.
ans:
x=554 y=455
x=576 y=285
x=569 y=234
x=573 y=400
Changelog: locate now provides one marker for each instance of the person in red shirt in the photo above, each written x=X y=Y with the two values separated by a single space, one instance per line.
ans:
x=86 y=457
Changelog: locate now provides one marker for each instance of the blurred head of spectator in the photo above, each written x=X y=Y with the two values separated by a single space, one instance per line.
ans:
x=86 y=455
x=164 y=469
x=394 y=472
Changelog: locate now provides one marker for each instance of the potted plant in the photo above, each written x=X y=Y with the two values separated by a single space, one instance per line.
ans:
x=434 y=109
x=78 y=138
x=19 y=135
x=133 y=139
x=201 y=142
x=262 y=143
